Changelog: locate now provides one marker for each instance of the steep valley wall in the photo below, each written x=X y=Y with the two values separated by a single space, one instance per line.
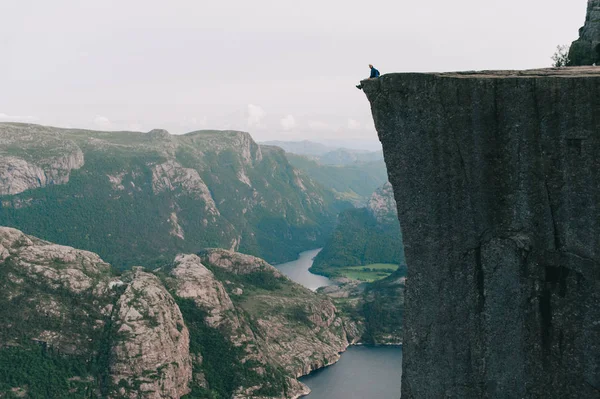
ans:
x=497 y=180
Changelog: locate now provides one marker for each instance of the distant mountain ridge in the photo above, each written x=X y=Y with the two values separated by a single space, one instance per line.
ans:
x=352 y=174
x=304 y=147
x=136 y=198
x=327 y=155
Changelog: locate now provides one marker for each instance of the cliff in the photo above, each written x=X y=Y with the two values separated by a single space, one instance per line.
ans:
x=497 y=180
x=586 y=49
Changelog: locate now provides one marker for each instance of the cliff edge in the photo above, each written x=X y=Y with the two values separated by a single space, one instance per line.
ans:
x=496 y=175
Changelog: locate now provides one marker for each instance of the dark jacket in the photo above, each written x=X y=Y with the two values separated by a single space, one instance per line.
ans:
x=374 y=73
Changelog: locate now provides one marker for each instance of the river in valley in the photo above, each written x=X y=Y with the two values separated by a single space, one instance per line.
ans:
x=297 y=271
x=363 y=372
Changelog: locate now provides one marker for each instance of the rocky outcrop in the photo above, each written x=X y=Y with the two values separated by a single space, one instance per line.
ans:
x=151 y=357
x=383 y=205
x=194 y=281
x=221 y=141
x=586 y=49
x=132 y=338
x=44 y=280
x=171 y=176
x=299 y=331
x=69 y=300
x=497 y=179
x=35 y=157
x=237 y=263
x=278 y=324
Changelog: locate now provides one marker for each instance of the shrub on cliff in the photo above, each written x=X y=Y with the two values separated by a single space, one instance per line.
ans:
x=561 y=56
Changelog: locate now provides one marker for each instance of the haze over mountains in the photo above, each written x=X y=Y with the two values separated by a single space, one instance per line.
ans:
x=352 y=174
x=328 y=155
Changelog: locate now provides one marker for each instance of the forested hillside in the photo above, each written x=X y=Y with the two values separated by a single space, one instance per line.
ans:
x=139 y=198
x=364 y=236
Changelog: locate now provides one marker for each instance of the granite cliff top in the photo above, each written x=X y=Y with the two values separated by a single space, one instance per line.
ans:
x=568 y=72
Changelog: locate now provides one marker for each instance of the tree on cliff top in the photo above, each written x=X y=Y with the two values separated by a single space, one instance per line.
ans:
x=561 y=56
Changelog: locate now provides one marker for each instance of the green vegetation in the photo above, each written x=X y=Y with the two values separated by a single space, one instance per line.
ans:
x=78 y=363
x=368 y=273
x=357 y=180
x=383 y=308
x=561 y=57
x=41 y=372
x=360 y=240
x=222 y=361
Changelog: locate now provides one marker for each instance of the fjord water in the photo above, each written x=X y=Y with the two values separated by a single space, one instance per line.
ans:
x=363 y=372
x=297 y=271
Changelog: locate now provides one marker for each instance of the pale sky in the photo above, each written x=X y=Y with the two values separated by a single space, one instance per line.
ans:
x=279 y=69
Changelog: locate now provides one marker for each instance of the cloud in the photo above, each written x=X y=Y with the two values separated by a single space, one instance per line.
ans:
x=5 y=117
x=102 y=121
x=288 y=123
x=255 y=115
x=353 y=124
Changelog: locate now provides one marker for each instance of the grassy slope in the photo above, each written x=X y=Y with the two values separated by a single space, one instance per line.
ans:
x=368 y=273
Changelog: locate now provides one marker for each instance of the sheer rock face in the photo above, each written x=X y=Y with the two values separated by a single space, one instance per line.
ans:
x=586 y=49
x=151 y=354
x=497 y=181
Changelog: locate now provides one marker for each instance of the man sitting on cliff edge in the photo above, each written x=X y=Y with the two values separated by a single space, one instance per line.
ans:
x=374 y=75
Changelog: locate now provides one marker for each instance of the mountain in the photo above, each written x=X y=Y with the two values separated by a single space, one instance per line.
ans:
x=136 y=198
x=216 y=324
x=364 y=236
x=352 y=174
x=354 y=182
x=327 y=155
x=304 y=147
x=343 y=156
